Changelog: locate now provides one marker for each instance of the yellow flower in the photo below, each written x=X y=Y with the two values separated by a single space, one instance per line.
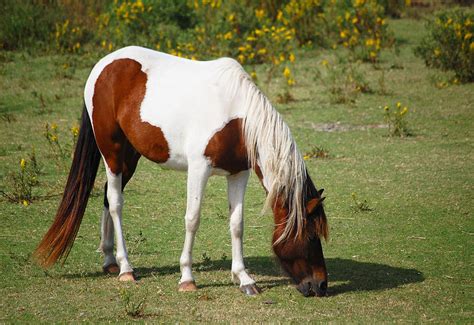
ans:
x=241 y=58
x=228 y=35
x=373 y=54
x=262 y=51
x=369 y=42
x=286 y=72
x=343 y=34
x=231 y=17
x=22 y=163
x=306 y=157
x=253 y=74
x=259 y=13
x=355 y=20
x=399 y=104
x=290 y=82
x=25 y=203
x=404 y=111
x=324 y=63
x=75 y=131
x=291 y=57
x=386 y=108
x=471 y=46
x=436 y=52
x=467 y=36
x=279 y=15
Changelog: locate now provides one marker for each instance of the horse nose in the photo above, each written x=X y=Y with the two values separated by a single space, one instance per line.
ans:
x=306 y=288
x=321 y=288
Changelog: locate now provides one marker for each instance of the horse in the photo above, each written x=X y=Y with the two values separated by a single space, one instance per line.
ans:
x=206 y=118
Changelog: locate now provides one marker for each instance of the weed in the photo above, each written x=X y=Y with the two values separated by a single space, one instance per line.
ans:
x=316 y=152
x=135 y=241
x=396 y=120
x=206 y=260
x=20 y=183
x=358 y=205
x=344 y=81
x=133 y=306
x=7 y=117
x=42 y=103
x=224 y=257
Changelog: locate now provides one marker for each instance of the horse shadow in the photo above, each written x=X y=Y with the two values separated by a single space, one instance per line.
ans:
x=345 y=275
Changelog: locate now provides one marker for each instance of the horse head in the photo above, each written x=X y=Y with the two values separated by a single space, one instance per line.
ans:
x=301 y=255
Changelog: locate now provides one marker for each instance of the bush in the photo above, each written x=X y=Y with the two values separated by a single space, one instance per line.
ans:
x=450 y=43
x=25 y=24
x=363 y=29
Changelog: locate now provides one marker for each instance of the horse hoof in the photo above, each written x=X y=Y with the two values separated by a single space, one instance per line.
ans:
x=250 y=289
x=111 y=269
x=187 y=286
x=126 y=277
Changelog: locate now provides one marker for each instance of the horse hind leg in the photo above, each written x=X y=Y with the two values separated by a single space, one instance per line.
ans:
x=106 y=246
x=236 y=185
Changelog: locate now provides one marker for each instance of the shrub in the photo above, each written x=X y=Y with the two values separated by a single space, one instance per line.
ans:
x=450 y=43
x=25 y=24
x=363 y=29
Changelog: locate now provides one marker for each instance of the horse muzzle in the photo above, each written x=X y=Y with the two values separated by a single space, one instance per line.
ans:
x=311 y=288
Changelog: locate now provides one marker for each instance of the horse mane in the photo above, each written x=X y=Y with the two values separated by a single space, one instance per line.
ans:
x=270 y=146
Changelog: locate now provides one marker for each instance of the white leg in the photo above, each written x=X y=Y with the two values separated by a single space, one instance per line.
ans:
x=198 y=174
x=236 y=185
x=115 y=198
x=107 y=240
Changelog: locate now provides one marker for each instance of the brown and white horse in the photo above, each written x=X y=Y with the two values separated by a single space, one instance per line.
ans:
x=207 y=118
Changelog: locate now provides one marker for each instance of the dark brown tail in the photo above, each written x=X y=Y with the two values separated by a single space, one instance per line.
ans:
x=59 y=239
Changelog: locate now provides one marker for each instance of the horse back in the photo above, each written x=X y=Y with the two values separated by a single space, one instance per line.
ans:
x=171 y=110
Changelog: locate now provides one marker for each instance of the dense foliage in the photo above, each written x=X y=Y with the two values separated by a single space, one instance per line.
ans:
x=450 y=43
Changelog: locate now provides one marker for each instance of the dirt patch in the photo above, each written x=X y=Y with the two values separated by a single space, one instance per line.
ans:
x=339 y=127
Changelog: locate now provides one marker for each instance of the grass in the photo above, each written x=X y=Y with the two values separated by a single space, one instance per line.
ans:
x=408 y=259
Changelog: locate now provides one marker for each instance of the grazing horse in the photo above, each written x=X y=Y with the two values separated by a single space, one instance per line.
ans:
x=207 y=118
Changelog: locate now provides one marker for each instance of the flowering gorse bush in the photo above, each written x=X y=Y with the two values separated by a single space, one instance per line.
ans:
x=450 y=43
x=363 y=29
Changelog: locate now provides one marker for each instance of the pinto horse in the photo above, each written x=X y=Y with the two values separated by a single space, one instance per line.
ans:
x=207 y=118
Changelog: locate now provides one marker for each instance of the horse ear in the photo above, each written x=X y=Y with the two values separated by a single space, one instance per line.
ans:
x=311 y=205
x=320 y=192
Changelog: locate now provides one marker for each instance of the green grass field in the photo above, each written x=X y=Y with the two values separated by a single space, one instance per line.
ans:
x=408 y=259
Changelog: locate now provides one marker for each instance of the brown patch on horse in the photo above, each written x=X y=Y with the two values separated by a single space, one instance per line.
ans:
x=118 y=95
x=226 y=149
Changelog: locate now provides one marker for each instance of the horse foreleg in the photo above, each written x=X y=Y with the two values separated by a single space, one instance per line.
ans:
x=115 y=198
x=236 y=185
x=198 y=174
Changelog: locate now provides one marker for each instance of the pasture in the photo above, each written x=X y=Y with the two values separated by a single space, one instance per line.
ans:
x=399 y=209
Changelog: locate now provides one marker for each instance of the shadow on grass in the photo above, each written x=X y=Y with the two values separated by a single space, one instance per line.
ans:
x=346 y=275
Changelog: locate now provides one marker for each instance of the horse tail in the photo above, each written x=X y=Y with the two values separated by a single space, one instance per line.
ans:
x=58 y=241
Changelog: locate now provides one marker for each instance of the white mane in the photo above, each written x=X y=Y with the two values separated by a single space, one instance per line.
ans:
x=270 y=145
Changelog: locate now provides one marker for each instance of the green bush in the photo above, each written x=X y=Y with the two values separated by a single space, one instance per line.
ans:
x=25 y=24
x=450 y=43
